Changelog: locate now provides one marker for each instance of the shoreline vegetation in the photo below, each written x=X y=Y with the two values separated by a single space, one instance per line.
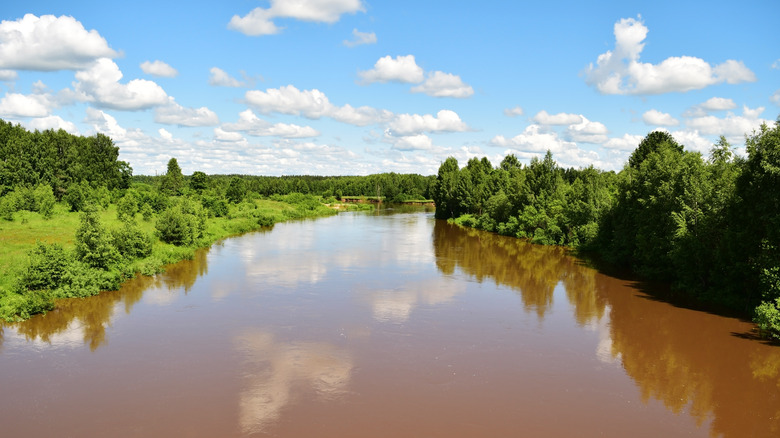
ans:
x=709 y=227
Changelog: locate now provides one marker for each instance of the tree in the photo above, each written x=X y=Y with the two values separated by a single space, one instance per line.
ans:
x=445 y=190
x=236 y=191
x=173 y=181
x=93 y=244
x=652 y=142
x=199 y=181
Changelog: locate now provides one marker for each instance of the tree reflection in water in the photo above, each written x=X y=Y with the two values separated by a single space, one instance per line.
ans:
x=88 y=318
x=689 y=360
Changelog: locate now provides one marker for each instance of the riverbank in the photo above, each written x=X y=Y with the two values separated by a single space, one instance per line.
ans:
x=23 y=237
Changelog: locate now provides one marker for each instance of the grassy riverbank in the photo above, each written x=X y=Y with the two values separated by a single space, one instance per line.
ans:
x=34 y=248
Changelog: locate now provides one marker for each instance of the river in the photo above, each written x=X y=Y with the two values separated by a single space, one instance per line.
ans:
x=384 y=325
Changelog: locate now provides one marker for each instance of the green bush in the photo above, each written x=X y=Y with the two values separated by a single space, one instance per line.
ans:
x=44 y=200
x=131 y=242
x=183 y=224
x=81 y=280
x=8 y=207
x=127 y=206
x=77 y=196
x=46 y=268
x=93 y=243
x=147 y=212
x=768 y=318
x=16 y=307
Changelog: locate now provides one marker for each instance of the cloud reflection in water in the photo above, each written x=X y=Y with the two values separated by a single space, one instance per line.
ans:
x=275 y=371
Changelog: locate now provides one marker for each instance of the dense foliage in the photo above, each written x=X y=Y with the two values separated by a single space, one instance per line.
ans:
x=58 y=159
x=391 y=187
x=711 y=226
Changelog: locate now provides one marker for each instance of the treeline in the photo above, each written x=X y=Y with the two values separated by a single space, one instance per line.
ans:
x=58 y=159
x=711 y=227
x=392 y=187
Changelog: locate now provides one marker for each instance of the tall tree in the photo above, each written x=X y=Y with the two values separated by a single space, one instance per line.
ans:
x=173 y=181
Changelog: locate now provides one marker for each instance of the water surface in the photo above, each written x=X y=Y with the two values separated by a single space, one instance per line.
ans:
x=384 y=325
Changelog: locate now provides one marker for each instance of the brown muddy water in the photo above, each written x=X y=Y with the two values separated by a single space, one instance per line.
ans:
x=384 y=325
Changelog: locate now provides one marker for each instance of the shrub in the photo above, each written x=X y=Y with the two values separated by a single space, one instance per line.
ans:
x=76 y=196
x=93 y=245
x=16 y=307
x=46 y=268
x=217 y=206
x=147 y=212
x=183 y=224
x=8 y=207
x=131 y=242
x=768 y=318
x=173 y=227
x=127 y=207
x=44 y=200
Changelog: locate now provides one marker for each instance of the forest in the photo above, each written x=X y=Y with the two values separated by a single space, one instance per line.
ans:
x=708 y=226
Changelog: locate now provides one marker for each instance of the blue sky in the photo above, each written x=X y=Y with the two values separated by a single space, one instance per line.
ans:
x=336 y=87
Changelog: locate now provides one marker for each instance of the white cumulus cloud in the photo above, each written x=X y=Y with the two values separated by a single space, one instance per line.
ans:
x=587 y=131
x=513 y=112
x=49 y=43
x=712 y=104
x=227 y=136
x=731 y=125
x=175 y=114
x=444 y=121
x=399 y=69
x=543 y=118
x=657 y=118
x=259 y=20
x=628 y=142
x=53 y=122
x=416 y=142
x=440 y=84
x=100 y=85
x=23 y=105
x=8 y=75
x=105 y=123
x=220 y=78
x=621 y=72
x=165 y=135
x=360 y=38
x=776 y=97
x=159 y=68
x=718 y=104
x=312 y=104
x=534 y=138
x=290 y=100
x=251 y=124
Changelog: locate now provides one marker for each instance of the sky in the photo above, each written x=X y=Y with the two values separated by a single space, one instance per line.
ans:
x=355 y=87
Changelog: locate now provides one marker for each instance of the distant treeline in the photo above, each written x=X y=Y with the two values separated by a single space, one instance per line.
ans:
x=710 y=226
x=393 y=187
x=58 y=159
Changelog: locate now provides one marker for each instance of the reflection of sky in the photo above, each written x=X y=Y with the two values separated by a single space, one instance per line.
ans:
x=396 y=305
x=275 y=369
x=295 y=254
x=604 y=351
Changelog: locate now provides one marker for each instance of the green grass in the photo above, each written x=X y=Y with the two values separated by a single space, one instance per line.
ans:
x=19 y=236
